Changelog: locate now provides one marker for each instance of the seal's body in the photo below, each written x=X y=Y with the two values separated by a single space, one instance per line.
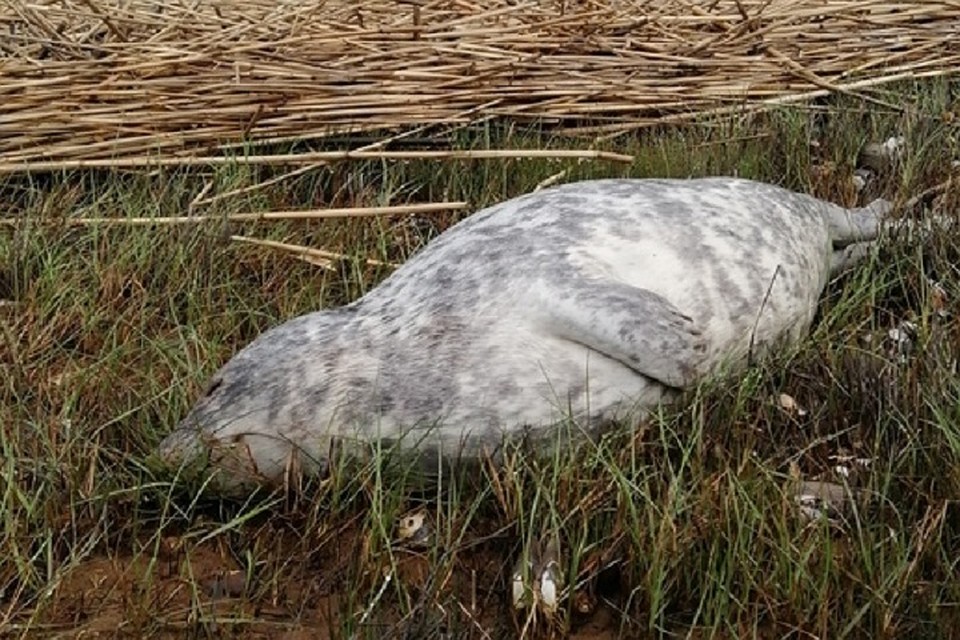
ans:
x=586 y=300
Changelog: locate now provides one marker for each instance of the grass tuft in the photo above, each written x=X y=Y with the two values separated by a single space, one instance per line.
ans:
x=684 y=525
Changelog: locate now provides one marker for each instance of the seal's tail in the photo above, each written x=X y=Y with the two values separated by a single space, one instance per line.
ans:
x=850 y=226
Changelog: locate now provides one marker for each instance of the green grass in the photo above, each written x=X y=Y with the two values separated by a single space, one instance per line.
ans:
x=108 y=334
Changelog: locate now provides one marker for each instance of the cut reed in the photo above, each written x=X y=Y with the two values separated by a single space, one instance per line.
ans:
x=109 y=80
x=311 y=158
x=305 y=214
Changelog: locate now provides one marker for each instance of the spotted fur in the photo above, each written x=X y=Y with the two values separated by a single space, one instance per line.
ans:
x=586 y=300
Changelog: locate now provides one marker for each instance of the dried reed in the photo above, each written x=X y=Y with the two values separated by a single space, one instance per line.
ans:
x=304 y=214
x=123 y=80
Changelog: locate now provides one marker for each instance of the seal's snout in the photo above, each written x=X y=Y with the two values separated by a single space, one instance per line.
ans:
x=220 y=438
x=193 y=453
x=182 y=446
x=188 y=441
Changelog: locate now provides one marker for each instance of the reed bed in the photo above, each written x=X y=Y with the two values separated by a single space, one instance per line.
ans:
x=129 y=80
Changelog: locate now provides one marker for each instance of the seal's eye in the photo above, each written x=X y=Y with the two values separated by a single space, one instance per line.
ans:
x=215 y=384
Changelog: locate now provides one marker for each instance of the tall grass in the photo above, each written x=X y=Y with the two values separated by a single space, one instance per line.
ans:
x=683 y=526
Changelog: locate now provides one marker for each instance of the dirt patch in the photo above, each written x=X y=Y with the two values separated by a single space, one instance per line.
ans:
x=176 y=588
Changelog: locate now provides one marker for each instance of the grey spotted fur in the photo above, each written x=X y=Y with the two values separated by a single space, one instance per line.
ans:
x=584 y=300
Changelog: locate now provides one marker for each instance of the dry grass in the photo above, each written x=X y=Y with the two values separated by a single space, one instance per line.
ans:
x=300 y=214
x=681 y=528
x=116 y=80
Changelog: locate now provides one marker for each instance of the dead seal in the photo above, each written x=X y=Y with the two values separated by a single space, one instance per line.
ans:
x=586 y=300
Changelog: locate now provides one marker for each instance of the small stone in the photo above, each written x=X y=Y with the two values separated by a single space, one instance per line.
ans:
x=879 y=156
x=414 y=528
x=226 y=584
x=817 y=499
x=791 y=406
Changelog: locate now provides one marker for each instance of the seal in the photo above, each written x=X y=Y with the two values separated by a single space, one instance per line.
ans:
x=587 y=301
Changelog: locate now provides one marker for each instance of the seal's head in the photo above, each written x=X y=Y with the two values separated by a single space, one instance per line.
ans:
x=255 y=416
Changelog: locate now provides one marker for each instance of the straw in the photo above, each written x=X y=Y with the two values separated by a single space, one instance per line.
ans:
x=305 y=214
x=126 y=83
x=309 y=158
x=320 y=257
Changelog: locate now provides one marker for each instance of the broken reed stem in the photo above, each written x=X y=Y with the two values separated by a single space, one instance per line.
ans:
x=201 y=200
x=316 y=157
x=608 y=132
x=306 y=214
x=918 y=200
x=319 y=257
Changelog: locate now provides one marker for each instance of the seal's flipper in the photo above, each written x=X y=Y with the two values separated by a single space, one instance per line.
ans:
x=634 y=326
x=850 y=256
x=848 y=226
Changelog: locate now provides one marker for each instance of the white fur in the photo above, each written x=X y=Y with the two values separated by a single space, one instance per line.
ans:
x=585 y=300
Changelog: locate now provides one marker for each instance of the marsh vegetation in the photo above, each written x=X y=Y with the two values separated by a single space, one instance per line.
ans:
x=683 y=526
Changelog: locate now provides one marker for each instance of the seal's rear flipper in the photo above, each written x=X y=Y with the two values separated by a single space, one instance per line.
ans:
x=634 y=326
x=854 y=232
x=850 y=226
x=849 y=256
